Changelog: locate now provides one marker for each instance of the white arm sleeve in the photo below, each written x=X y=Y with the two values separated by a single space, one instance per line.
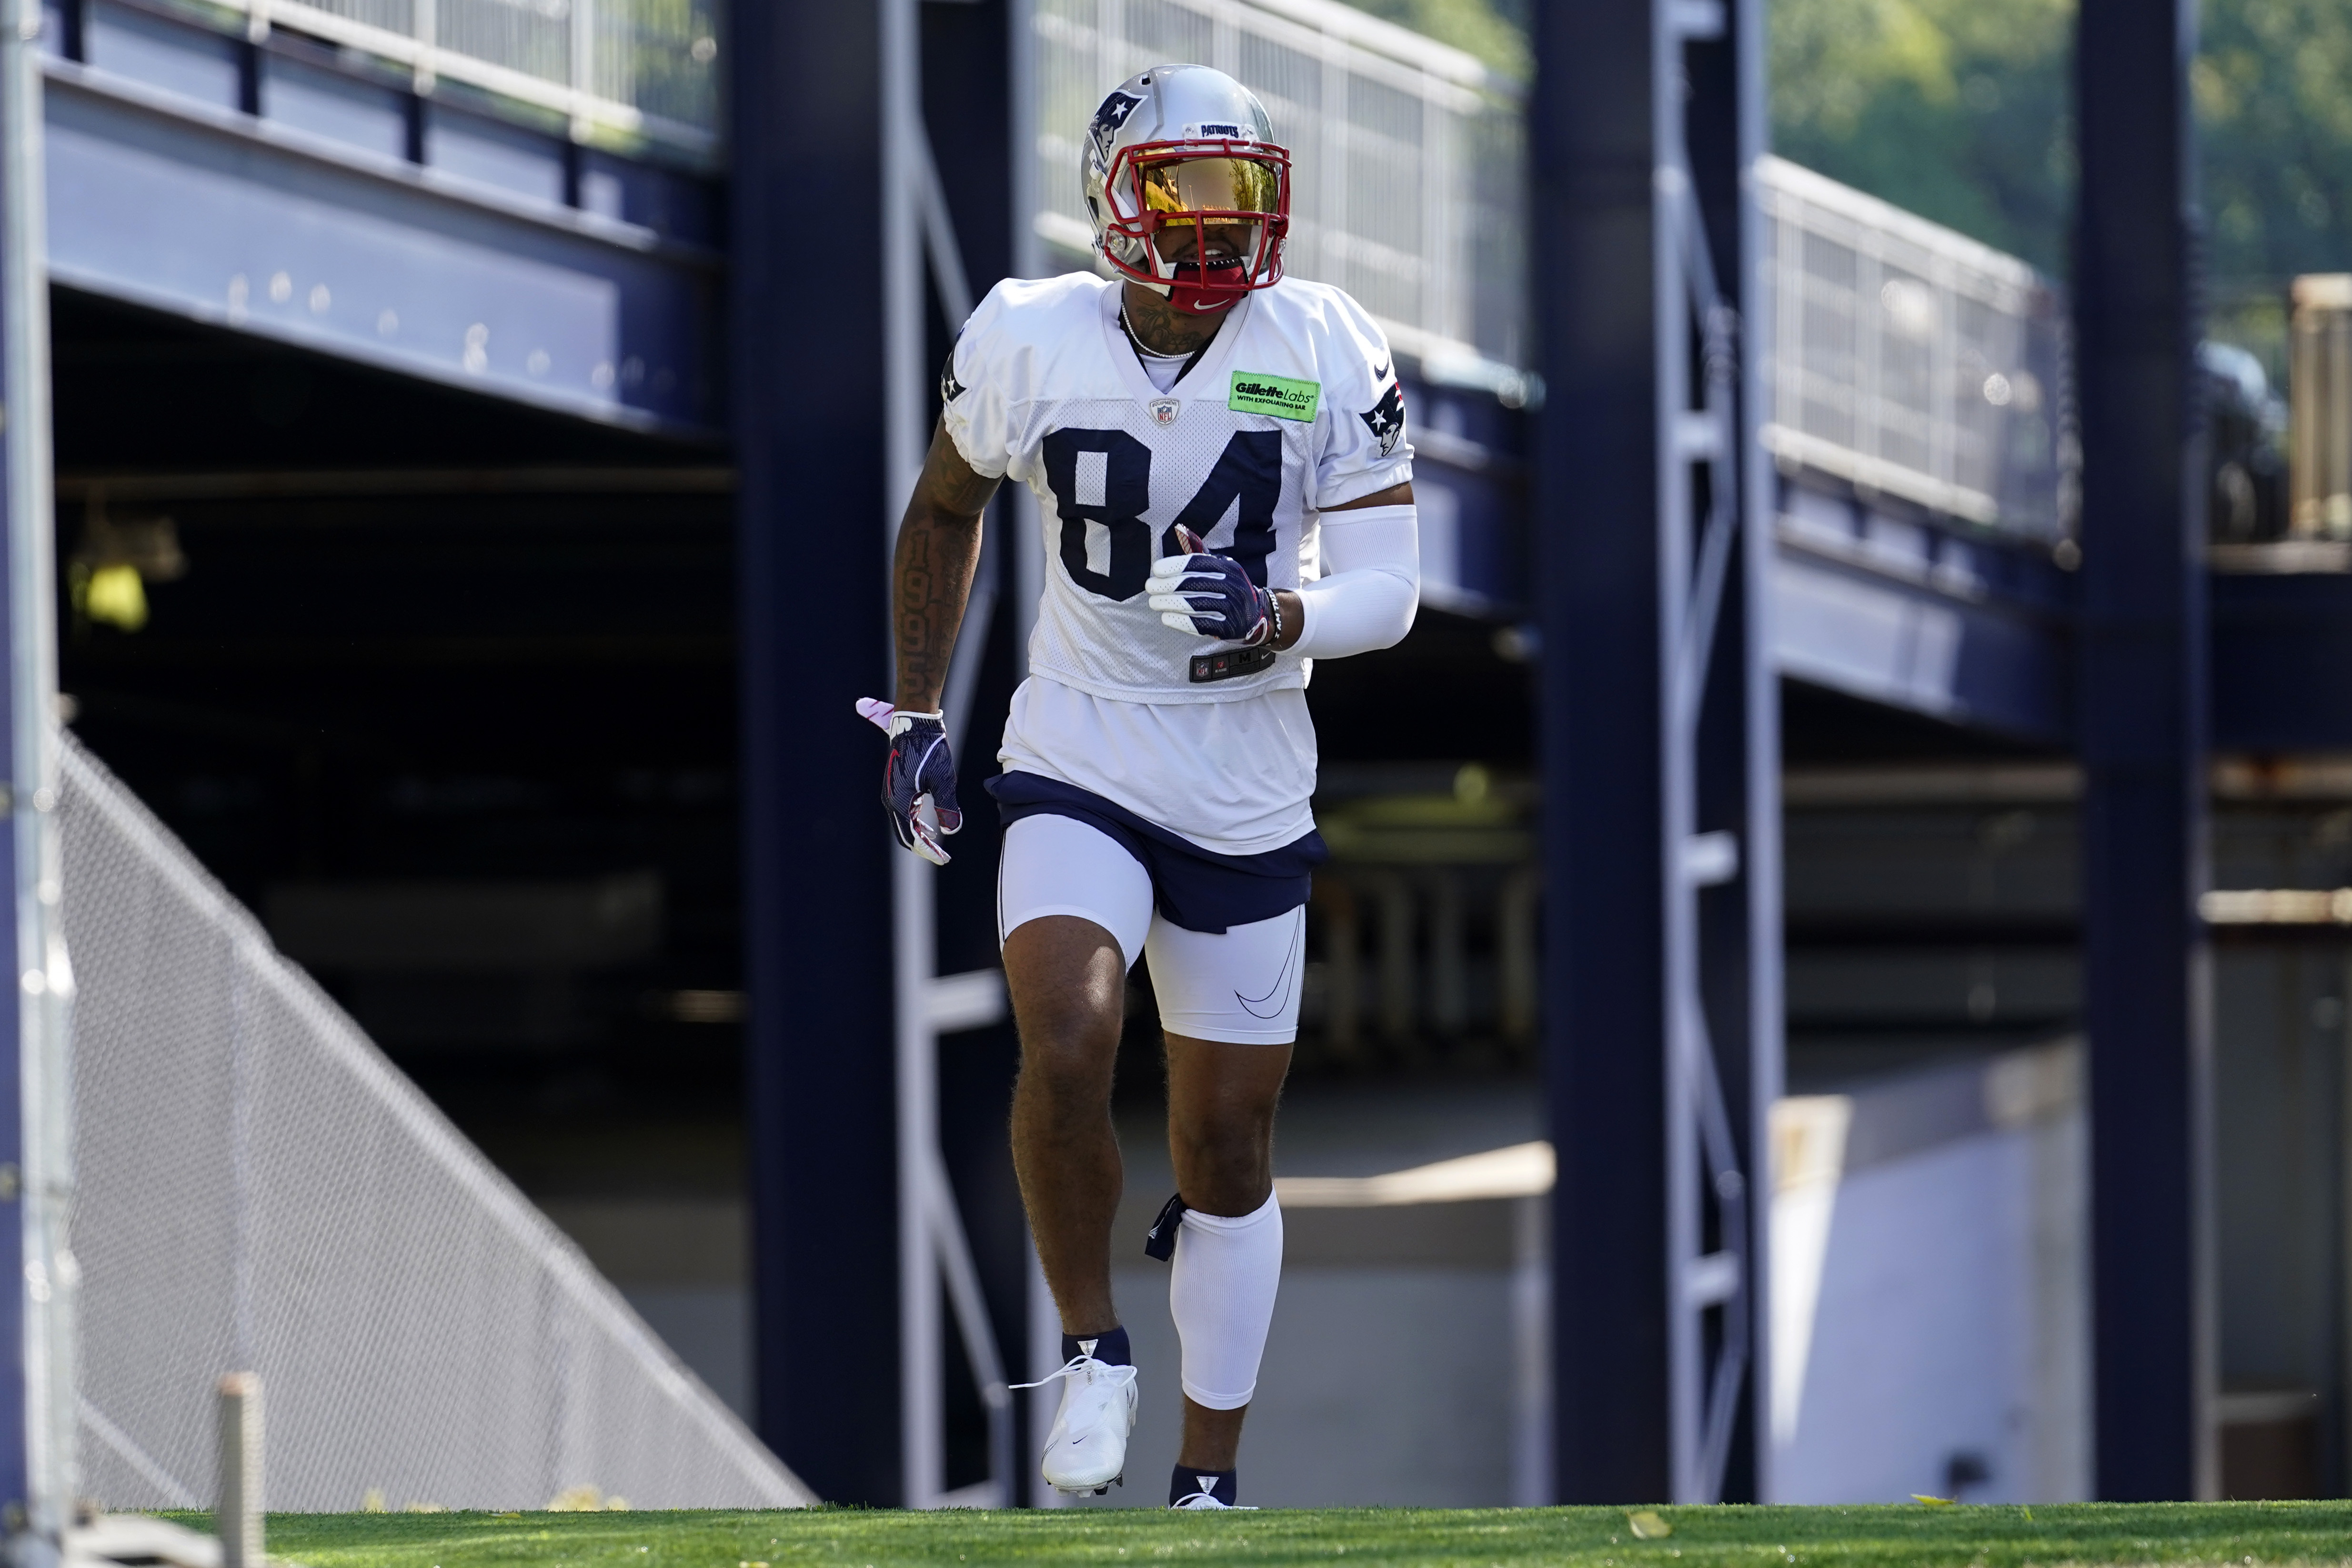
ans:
x=1372 y=586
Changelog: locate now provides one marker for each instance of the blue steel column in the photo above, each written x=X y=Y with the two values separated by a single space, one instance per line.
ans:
x=808 y=427
x=967 y=111
x=1760 y=865
x=1727 y=751
x=2144 y=734
x=1595 y=522
x=1660 y=739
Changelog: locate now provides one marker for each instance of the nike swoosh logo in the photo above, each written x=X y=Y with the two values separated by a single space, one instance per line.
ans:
x=1281 y=991
x=1380 y=373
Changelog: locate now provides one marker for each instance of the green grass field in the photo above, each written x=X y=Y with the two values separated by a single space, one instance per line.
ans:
x=1991 y=1536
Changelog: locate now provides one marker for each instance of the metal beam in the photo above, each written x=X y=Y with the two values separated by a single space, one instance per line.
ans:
x=221 y=217
x=2265 y=626
x=925 y=263
x=970 y=213
x=2144 y=722
x=1759 y=960
x=1901 y=612
x=1659 y=739
x=915 y=1267
x=809 y=427
x=37 y=1413
x=1591 y=147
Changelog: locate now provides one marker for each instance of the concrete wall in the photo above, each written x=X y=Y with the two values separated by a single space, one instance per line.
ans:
x=1930 y=1297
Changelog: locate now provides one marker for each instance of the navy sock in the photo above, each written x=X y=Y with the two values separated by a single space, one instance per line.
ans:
x=1110 y=1349
x=1223 y=1485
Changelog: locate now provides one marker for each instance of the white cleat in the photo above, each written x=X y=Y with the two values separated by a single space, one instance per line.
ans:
x=1198 y=1500
x=1087 y=1450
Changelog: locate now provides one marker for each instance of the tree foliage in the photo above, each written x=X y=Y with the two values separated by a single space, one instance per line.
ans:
x=2274 y=94
x=1959 y=110
x=1494 y=30
x=1956 y=109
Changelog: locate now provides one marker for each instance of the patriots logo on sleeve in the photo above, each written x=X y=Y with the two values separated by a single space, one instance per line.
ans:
x=1386 y=418
x=949 y=387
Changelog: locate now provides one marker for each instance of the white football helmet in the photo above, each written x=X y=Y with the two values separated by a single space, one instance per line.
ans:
x=1187 y=189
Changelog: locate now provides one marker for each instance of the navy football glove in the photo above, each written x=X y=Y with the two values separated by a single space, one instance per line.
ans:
x=920 y=766
x=1211 y=595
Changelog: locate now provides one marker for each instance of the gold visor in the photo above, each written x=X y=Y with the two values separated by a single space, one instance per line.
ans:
x=1212 y=184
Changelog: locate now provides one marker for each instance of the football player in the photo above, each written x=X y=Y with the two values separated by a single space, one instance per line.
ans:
x=1219 y=455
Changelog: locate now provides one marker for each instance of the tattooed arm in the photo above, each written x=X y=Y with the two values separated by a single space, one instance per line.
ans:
x=938 y=547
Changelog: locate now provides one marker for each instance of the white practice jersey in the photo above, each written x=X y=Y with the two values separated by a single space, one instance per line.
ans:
x=1293 y=408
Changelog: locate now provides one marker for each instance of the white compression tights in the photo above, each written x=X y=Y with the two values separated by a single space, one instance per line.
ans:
x=1221 y=1293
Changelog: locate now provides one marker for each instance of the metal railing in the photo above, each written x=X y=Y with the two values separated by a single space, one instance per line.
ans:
x=1911 y=359
x=259 y=1188
x=1410 y=154
x=626 y=71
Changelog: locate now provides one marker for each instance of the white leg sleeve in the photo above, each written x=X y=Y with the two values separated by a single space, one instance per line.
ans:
x=1221 y=1293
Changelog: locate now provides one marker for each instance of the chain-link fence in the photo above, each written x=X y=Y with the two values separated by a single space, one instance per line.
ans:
x=261 y=1189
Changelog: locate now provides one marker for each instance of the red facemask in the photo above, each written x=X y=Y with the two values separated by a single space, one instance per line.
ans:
x=1232 y=196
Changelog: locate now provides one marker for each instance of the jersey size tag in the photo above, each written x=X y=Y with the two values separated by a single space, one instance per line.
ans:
x=1231 y=664
x=1277 y=395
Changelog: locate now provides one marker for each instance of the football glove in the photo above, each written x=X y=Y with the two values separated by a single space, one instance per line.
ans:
x=1211 y=595
x=919 y=766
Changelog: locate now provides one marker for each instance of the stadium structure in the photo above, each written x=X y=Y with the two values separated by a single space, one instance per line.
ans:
x=1855 y=844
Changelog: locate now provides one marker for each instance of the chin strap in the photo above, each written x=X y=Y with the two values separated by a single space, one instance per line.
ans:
x=1193 y=298
x=1190 y=297
x=1196 y=301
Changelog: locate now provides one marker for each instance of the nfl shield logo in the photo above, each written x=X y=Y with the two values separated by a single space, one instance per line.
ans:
x=1164 y=410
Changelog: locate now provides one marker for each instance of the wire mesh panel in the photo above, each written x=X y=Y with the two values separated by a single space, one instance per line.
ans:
x=393 y=15
x=1910 y=359
x=634 y=70
x=261 y=1190
x=658 y=56
x=534 y=36
x=1408 y=154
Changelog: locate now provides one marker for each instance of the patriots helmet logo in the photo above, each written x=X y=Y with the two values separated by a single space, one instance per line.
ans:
x=949 y=387
x=1108 y=120
x=1386 y=418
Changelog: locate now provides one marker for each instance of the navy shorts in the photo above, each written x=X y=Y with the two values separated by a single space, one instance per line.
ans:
x=1195 y=888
